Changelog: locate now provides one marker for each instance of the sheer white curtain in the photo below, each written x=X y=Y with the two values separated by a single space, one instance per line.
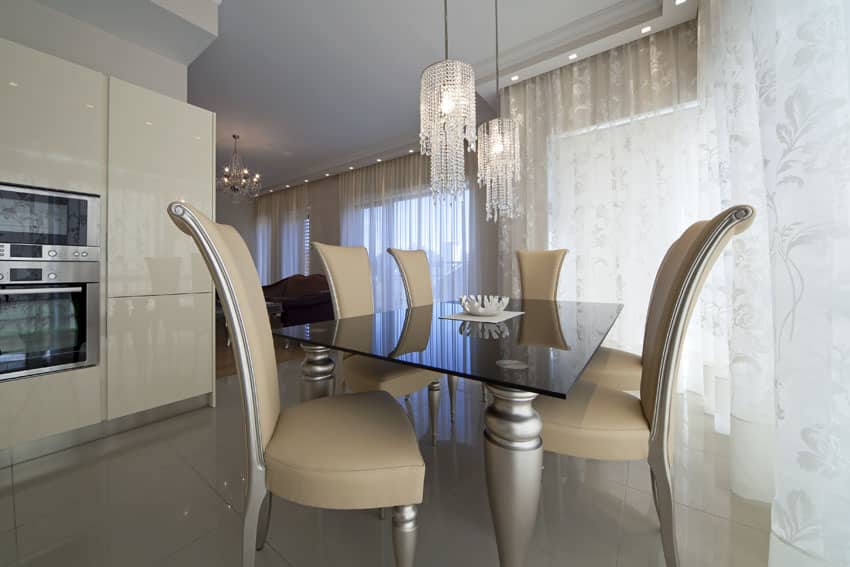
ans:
x=281 y=223
x=612 y=158
x=777 y=93
x=616 y=150
x=390 y=205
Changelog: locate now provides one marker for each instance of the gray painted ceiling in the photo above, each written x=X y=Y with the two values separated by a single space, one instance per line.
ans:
x=314 y=86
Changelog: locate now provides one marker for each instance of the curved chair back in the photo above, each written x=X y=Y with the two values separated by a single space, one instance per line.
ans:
x=350 y=278
x=238 y=285
x=680 y=278
x=416 y=275
x=539 y=272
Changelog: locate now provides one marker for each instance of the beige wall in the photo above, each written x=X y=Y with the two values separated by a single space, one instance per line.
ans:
x=241 y=216
x=42 y=28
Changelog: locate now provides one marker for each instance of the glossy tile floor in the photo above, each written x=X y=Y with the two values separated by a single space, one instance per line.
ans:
x=168 y=495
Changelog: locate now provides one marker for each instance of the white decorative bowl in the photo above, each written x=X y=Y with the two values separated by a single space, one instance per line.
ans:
x=483 y=305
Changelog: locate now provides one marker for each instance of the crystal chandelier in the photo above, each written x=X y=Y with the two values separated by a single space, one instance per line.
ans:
x=236 y=180
x=498 y=155
x=447 y=119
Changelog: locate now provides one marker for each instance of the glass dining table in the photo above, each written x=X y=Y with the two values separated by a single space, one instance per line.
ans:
x=542 y=351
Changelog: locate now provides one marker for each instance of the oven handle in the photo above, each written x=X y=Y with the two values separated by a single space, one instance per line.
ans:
x=39 y=290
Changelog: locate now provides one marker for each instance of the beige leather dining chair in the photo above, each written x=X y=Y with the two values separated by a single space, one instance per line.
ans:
x=350 y=280
x=352 y=451
x=416 y=276
x=599 y=422
x=539 y=272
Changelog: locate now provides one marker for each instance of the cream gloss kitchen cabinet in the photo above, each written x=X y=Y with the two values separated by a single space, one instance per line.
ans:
x=52 y=134
x=160 y=300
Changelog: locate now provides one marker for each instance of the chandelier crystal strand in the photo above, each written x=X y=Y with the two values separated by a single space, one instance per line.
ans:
x=236 y=180
x=498 y=155
x=447 y=120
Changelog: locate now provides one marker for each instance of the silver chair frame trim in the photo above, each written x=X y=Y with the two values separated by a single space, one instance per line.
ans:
x=256 y=489
x=659 y=450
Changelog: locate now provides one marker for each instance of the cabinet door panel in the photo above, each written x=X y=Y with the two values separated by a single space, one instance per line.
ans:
x=38 y=406
x=160 y=150
x=53 y=117
x=159 y=351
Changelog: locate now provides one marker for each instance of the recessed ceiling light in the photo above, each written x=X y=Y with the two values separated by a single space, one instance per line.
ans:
x=327 y=175
x=306 y=181
x=378 y=160
x=148 y=123
x=515 y=78
x=89 y=106
x=197 y=138
x=410 y=151
x=350 y=167
x=679 y=2
x=13 y=84
x=646 y=29
x=573 y=56
x=287 y=186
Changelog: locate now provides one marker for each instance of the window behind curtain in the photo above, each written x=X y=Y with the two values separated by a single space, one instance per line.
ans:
x=306 y=241
x=390 y=205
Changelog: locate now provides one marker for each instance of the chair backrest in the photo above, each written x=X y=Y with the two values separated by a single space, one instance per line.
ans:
x=238 y=285
x=680 y=278
x=416 y=275
x=539 y=272
x=350 y=278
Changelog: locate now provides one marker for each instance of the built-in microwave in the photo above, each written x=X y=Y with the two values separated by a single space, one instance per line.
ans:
x=49 y=317
x=45 y=224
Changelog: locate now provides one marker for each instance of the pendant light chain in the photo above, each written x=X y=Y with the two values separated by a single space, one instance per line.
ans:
x=446 y=27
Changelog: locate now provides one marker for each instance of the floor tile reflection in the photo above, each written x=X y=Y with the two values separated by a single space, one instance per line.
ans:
x=170 y=494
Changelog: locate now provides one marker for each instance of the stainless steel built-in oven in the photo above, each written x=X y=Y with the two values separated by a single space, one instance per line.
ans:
x=43 y=224
x=49 y=317
x=49 y=280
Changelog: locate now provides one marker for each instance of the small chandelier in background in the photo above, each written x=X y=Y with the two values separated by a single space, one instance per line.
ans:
x=498 y=155
x=236 y=180
x=447 y=119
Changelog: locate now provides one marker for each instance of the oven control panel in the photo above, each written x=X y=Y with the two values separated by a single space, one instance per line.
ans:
x=49 y=252
x=48 y=272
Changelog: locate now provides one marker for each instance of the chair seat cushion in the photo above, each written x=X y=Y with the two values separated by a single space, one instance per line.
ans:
x=350 y=451
x=594 y=422
x=365 y=374
x=615 y=369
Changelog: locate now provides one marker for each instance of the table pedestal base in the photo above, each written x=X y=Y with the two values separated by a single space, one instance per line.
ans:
x=513 y=456
x=317 y=373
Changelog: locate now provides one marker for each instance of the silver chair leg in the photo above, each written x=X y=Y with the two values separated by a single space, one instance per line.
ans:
x=254 y=498
x=452 y=394
x=662 y=495
x=513 y=457
x=317 y=373
x=265 y=520
x=434 y=408
x=404 y=535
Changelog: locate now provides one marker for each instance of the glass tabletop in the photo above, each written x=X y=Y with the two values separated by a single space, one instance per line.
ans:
x=544 y=350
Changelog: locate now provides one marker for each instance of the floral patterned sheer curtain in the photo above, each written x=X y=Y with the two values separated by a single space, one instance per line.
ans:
x=390 y=205
x=281 y=219
x=777 y=93
x=624 y=150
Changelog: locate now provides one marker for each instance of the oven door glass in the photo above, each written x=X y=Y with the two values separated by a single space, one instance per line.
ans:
x=28 y=218
x=41 y=327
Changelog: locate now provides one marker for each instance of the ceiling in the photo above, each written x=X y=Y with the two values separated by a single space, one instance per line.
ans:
x=314 y=87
